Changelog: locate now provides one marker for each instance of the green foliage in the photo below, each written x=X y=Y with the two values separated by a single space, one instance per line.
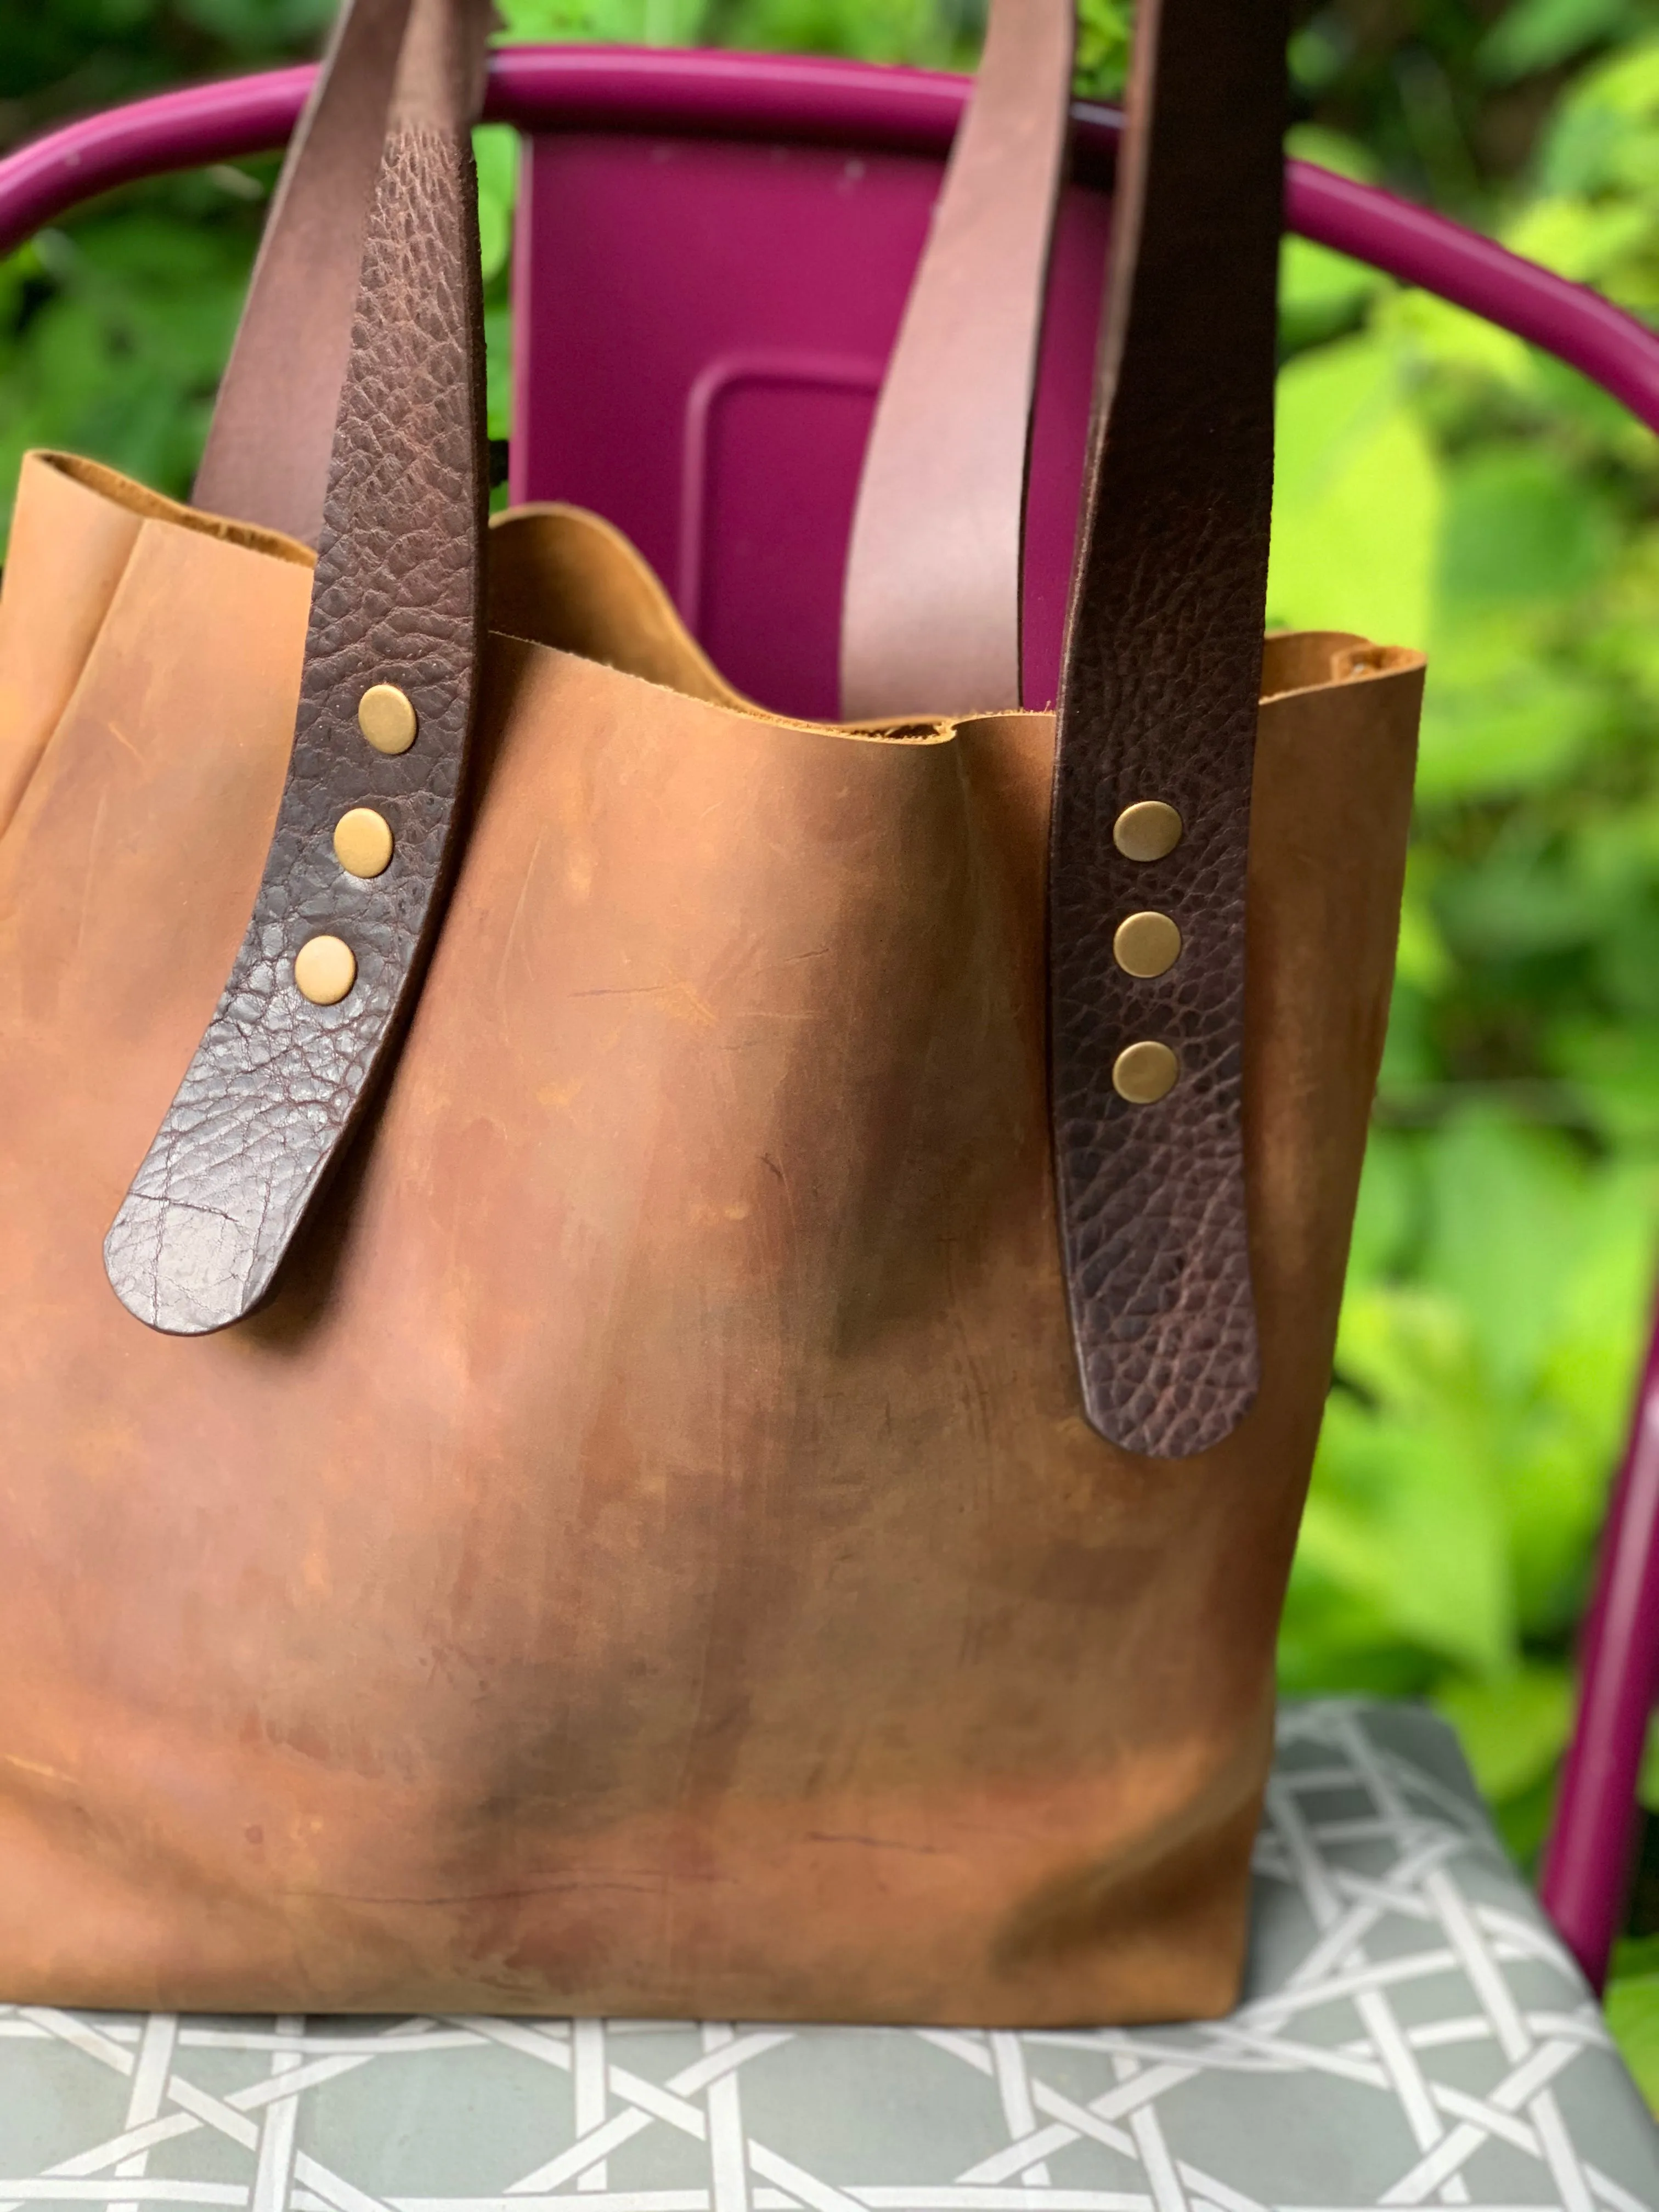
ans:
x=1539 y=34
x=120 y=326
x=920 y=31
x=1103 y=47
x=1439 y=482
x=1633 y=2011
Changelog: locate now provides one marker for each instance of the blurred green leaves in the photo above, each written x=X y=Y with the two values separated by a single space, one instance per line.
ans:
x=1350 y=444
x=121 y=327
x=1633 y=2011
x=1103 y=47
x=1496 y=1299
x=1441 y=484
x=1539 y=34
x=875 y=30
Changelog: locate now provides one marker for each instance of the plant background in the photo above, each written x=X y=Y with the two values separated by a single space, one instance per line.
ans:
x=1438 y=483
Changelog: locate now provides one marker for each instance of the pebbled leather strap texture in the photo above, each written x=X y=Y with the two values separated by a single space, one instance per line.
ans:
x=1158 y=702
x=268 y=449
x=931 y=615
x=277 y=1082
x=1158 y=697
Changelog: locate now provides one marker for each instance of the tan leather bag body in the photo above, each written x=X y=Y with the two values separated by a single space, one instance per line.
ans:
x=651 y=1546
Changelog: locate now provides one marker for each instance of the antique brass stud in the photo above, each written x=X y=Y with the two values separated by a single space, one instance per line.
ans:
x=362 y=842
x=1142 y=1073
x=1147 y=944
x=387 y=719
x=1146 y=831
x=325 y=969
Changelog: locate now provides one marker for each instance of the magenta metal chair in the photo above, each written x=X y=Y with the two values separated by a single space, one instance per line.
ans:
x=712 y=254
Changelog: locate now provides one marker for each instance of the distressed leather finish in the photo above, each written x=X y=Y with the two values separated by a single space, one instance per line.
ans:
x=648 y=1556
x=276 y=1083
x=1157 y=701
x=931 y=620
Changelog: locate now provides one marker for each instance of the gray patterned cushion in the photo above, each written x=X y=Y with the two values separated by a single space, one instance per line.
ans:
x=1412 y=2033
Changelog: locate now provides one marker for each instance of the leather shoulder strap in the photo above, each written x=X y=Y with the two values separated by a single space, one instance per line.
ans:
x=283 y=1072
x=931 y=607
x=1157 y=734
x=267 y=458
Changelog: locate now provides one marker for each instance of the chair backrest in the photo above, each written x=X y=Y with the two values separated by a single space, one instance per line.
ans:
x=712 y=254
x=703 y=323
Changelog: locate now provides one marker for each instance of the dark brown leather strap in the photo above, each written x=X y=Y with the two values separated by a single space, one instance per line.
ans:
x=1159 y=708
x=267 y=454
x=932 y=609
x=277 y=1081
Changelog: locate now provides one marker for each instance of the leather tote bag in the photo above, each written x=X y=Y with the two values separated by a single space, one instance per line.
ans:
x=653 y=1359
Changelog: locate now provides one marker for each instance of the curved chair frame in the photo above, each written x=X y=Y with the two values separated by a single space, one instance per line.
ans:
x=544 y=90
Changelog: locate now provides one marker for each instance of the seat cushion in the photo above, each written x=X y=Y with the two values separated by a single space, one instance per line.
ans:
x=1411 y=2033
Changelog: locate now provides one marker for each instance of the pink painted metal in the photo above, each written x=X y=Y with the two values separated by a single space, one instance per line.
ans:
x=712 y=391
x=790 y=100
x=739 y=298
x=715 y=251
x=174 y=131
x=1586 y=1865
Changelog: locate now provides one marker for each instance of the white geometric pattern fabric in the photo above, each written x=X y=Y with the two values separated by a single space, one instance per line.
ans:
x=1412 y=2033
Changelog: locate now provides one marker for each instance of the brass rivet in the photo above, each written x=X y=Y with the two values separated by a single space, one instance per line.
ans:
x=325 y=969
x=1147 y=944
x=362 y=842
x=1144 y=1072
x=1146 y=831
x=387 y=718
